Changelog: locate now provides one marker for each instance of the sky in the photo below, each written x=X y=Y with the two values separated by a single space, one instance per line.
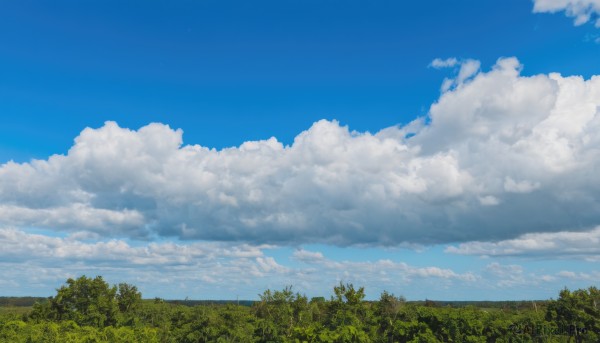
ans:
x=215 y=149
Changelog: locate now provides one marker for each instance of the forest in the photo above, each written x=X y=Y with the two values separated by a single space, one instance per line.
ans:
x=90 y=310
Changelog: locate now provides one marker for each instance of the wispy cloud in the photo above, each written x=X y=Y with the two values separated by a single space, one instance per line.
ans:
x=439 y=63
x=365 y=268
x=466 y=70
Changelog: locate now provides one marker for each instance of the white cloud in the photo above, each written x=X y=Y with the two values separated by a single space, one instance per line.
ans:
x=582 y=10
x=34 y=264
x=506 y=275
x=580 y=245
x=268 y=264
x=501 y=155
x=524 y=186
x=513 y=276
x=18 y=244
x=78 y=215
x=468 y=69
x=29 y=259
x=308 y=256
x=441 y=63
x=365 y=270
x=593 y=276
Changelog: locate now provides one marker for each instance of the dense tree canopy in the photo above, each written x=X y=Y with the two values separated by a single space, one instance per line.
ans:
x=89 y=302
x=90 y=310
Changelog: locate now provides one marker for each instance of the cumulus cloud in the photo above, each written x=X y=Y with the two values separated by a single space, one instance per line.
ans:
x=499 y=156
x=584 y=245
x=582 y=10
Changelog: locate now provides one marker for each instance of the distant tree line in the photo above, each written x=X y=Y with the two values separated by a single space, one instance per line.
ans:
x=19 y=301
x=90 y=310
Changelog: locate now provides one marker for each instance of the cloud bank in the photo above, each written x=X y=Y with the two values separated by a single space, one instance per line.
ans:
x=385 y=269
x=577 y=245
x=35 y=263
x=500 y=155
x=196 y=267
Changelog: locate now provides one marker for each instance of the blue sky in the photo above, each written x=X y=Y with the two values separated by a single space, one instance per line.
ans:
x=212 y=149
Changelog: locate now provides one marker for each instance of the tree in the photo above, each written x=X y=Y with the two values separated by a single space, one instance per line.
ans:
x=577 y=312
x=386 y=310
x=347 y=309
x=87 y=301
x=128 y=297
x=279 y=312
x=347 y=304
x=128 y=301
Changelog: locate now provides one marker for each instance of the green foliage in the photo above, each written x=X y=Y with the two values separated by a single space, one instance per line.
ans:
x=577 y=313
x=279 y=312
x=128 y=297
x=387 y=311
x=89 y=302
x=347 y=307
x=84 y=300
x=89 y=310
